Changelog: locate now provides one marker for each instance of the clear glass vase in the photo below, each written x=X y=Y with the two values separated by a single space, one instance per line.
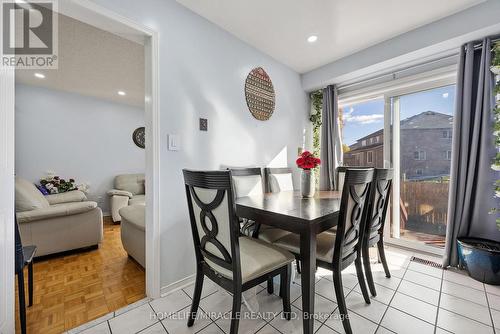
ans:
x=307 y=186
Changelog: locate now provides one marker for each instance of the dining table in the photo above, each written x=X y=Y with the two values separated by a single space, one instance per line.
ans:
x=308 y=217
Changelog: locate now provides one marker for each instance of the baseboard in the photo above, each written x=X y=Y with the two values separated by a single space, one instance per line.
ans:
x=180 y=284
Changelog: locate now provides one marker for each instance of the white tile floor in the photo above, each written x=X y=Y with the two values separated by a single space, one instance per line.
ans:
x=417 y=299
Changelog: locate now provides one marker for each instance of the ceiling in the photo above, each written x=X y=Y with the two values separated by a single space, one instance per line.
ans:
x=94 y=62
x=280 y=28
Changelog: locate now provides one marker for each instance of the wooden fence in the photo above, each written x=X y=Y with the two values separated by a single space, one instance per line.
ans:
x=423 y=203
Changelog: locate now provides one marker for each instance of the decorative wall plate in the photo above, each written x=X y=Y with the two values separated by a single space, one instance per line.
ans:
x=139 y=137
x=259 y=93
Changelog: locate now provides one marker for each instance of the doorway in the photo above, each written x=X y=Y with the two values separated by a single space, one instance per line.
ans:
x=107 y=20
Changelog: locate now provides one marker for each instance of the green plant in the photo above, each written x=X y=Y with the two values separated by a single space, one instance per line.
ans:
x=315 y=118
x=496 y=126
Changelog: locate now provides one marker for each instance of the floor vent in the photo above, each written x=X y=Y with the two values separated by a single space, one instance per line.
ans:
x=426 y=262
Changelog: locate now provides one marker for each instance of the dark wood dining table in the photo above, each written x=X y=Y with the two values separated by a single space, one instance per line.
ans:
x=305 y=216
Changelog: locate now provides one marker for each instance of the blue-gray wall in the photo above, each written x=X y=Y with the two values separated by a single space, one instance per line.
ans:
x=76 y=136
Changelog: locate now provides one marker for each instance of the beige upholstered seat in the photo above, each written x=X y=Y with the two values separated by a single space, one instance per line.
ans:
x=324 y=245
x=137 y=199
x=257 y=258
x=271 y=234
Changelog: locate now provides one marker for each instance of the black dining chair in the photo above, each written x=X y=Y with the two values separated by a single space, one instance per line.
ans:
x=233 y=261
x=278 y=179
x=336 y=251
x=23 y=257
x=375 y=221
x=246 y=182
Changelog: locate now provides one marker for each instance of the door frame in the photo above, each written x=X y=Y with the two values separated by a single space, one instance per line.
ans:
x=82 y=10
x=7 y=274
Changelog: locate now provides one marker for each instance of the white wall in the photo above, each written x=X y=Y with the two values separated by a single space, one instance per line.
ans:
x=202 y=74
x=76 y=136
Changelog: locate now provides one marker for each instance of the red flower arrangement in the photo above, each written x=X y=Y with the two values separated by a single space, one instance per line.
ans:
x=307 y=161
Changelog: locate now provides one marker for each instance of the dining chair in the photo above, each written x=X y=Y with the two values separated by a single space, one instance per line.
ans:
x=375 y=221
x=23 y=257
x=247 y=182
x=234 y=262
x=278 y=179
x=336 y=251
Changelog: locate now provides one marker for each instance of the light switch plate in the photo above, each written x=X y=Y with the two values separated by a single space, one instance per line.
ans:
x=174 y=143
x=203 y=124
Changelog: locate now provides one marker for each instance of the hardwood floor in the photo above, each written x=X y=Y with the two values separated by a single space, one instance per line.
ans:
x=70 y=290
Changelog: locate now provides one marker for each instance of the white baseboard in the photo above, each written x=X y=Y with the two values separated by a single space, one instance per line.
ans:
x=180 y=284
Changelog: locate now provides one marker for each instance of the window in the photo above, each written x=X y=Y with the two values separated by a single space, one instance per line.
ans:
x=447 y=134
x=447 y=155
x=419 y=171
x=419 y=155
x=369 y=157
x=361 y=124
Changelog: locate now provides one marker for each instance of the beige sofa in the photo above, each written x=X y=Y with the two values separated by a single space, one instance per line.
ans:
x=133 y=233
x=56 y=223
x=129 y=190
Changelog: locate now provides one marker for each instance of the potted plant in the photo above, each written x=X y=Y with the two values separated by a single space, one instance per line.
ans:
x=307 y=162
x=481 y=257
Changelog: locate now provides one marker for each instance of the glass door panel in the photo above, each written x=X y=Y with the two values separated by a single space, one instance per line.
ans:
x=421 y=131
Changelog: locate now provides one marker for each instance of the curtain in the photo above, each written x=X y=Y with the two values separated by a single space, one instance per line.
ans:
x=471 y=195
x=331 y=144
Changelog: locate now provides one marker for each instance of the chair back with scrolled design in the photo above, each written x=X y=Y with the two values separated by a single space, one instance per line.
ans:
x=380 y=196
x=353 y=210
x=214 y=224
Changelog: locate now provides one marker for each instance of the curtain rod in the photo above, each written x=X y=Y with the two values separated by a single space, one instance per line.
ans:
x=393 y=74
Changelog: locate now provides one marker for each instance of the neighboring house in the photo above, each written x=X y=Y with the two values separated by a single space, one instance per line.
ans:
x=425 y=147
x=367 y=151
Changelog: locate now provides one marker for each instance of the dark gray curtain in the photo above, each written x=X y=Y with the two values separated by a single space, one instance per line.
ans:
x=331 y=144
x=471 y=184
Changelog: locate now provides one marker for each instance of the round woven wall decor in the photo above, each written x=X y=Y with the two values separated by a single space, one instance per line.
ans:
x=259 y=93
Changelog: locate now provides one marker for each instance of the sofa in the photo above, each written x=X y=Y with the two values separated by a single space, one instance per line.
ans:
x=129 y=189
x=56 y=223
x=133 y=233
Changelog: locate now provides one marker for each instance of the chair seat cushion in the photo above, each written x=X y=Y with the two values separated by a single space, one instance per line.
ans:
x=134 y=215
x=325 y=243
x=257 y=258
x=137 y=199
x=271 y=234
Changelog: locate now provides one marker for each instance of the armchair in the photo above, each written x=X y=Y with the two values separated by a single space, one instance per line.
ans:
x=129 y=190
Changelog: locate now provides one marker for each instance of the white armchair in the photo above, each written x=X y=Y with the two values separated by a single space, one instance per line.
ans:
x=129 y=190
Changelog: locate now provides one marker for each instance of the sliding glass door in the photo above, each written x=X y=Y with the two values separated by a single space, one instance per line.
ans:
x=421 y=131
x=408 y=129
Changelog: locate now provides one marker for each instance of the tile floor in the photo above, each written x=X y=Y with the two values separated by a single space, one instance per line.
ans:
x=417 y=299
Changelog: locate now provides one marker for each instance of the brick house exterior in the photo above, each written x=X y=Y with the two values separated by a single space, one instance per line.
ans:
x=425 y=150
